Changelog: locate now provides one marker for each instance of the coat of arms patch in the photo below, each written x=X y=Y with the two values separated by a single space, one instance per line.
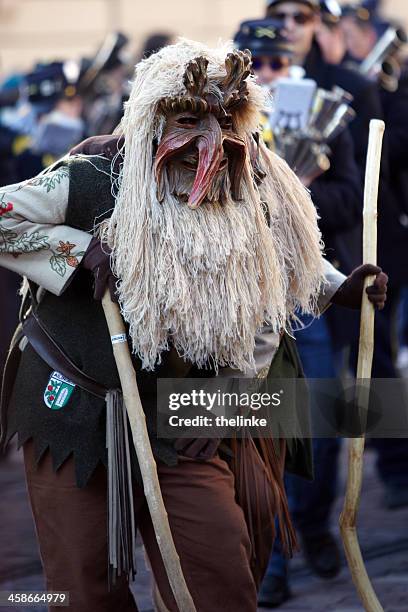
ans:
x=58 y=391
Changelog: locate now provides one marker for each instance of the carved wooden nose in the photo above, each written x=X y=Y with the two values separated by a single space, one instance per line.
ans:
x=210 y=155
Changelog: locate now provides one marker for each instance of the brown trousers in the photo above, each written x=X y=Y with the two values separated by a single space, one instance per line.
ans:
x=208 y=526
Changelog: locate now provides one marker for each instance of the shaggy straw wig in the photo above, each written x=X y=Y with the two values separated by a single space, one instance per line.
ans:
x=204 y=281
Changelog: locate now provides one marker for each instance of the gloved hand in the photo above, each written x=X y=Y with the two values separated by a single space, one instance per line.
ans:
x=97 y=260
x=197 y=448
x=349 y=294
x=107 y=146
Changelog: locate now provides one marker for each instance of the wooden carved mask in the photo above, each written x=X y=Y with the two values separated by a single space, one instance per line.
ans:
x=200 y=157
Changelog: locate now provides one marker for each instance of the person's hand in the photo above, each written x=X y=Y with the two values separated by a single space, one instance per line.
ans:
x=107 y=146
x=197 y=448
x=97 y=260
x=350 y=292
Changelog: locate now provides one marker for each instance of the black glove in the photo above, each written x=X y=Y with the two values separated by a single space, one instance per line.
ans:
x=97 y=260
x=349 y=294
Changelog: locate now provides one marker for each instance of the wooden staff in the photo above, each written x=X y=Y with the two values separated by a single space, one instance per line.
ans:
x=348 y=516
x=145 y=456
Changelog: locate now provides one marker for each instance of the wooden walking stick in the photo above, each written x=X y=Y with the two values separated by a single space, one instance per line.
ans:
x=145 y=456
x=348 y=516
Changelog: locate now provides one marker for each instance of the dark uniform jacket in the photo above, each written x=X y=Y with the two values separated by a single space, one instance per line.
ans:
x=393 y=237
x=338 y=194
x=366 y=100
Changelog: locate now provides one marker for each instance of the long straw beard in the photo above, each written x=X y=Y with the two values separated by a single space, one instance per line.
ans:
x=200 y=280
x=205 y=280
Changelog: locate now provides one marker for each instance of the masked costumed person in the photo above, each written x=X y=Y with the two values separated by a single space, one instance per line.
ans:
x=211 y=237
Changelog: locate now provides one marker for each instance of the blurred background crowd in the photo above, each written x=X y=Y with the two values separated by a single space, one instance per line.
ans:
x=331 y=68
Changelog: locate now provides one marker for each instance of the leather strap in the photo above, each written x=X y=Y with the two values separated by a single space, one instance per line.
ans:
x=46 y=347
x=9 y=376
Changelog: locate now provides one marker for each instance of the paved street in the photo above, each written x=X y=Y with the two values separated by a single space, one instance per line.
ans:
x=384 y=538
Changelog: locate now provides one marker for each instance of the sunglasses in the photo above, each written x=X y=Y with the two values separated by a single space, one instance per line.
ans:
x=298 y=18
x=274 y=63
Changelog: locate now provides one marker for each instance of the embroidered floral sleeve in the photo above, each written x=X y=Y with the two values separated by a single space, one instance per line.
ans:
x=34 y=240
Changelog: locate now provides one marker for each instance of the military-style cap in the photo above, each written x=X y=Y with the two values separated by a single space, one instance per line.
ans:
x=330 y=11
x=367 y=12
x=263 y=37
x=361 y=11
x=315 y=4
x=48 y=83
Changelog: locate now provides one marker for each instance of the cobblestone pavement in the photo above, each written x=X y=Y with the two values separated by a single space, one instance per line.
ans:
x=383 y=535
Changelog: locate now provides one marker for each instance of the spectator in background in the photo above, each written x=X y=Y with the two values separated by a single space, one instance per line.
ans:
x=272 y=58
x=105 y=84
x=311 y=504
x=305 y=25
x=52 y=90
x=338 y=196
x=363 y=28
x=10 y=136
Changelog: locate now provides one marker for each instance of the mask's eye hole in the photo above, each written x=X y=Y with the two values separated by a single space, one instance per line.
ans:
x=188 y=121
x=225 y=122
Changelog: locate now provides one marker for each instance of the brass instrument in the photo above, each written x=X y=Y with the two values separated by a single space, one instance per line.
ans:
x=307 y=148
x=383 y=60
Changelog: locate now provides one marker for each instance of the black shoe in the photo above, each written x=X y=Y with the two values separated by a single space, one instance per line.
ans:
x=274 y=592
x=322 y=554
x=396 y=496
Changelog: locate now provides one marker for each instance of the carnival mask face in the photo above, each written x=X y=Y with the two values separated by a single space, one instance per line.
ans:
x=200 y=157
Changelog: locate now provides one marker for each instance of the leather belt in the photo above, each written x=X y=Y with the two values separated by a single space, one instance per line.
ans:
x=49 y=351
x=9 y=376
